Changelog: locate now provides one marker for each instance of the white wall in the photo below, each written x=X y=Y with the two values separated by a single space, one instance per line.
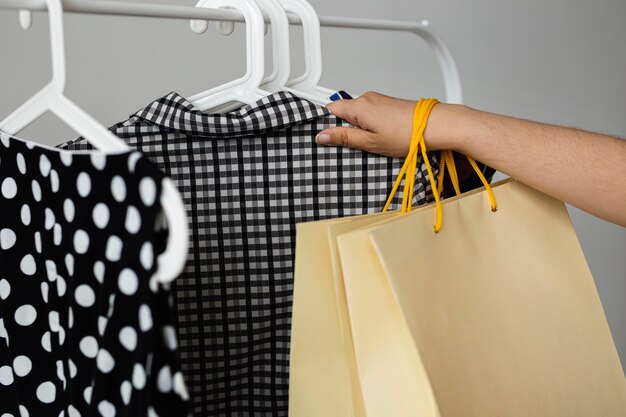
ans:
x=560 y=61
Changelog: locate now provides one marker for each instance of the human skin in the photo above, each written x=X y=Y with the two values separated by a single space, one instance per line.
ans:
x=584 y=169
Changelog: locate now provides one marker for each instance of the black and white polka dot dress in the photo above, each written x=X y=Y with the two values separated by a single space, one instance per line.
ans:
x=85 y=328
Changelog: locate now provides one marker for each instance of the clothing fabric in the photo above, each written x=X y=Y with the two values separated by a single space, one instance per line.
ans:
x=340 y=95
x=85 y=328
x=247 y=178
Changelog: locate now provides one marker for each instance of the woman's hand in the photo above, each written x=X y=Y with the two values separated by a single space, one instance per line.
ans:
x=558 y=161
x=383 y=125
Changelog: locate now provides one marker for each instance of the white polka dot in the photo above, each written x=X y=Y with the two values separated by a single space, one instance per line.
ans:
x=169 y=337
x=44 y=291
x=154 y=283
x=111 y=305
x=87 y=394
x=73 y=369
x=179 y=386
x=23 y=411
x=100 y=215
x=125 y=390
x=4 y=138
x=69 y=210
x=45 y=342
x=3 y=332
x=102 y=325
x=25 y=215
x=61 y=373
x=84 y=295
x=7 y=239
x=164 y=380
x=114 y=249
x=38 y=242
x=139 y=376
x=61 y=335
x=98 y=160
x=72 y=411
x=133 y=220
x=132 y=161
x=7 y=415
x=81 y=241
x=152 y=413
x=44 y=165
x=22 y=365
x=118 y=188
x=46 y=392
x=21 y=163
x=28 y=266
x=89 y=346
x=61 y=286
x=9 y=188
x=57 y=234
x=83 y=184
x=51 y=269
x=54 y=321
x=98 y=271
x=6 y=375
x=146 y=256
x=128 y=338
x=36 y=188
x=69 y=263
x=145 y=318
x=147 y=191
x=5 y=289
x=70 y=317
x=105 y=361
x=106 y=409
x=66 y=158
x=127 y=281
x=25 y=315
x=54 y=181
x=49 y=219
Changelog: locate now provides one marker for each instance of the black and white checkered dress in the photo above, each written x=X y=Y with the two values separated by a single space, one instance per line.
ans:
x=247 y=178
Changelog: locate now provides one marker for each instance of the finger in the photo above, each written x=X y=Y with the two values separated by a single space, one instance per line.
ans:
x=345 y=109
x=347 y=137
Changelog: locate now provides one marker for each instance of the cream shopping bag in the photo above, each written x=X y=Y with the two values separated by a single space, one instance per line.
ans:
x=324 y=380
x=322 y=371
x=500 y=309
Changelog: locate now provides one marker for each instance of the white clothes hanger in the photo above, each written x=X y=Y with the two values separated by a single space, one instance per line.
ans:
x=51 y=98
x=281 y=61
x=278 y=79
x=308 y=83
x=246 y=89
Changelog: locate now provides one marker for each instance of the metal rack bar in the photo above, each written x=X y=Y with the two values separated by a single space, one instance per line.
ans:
x=451 y=78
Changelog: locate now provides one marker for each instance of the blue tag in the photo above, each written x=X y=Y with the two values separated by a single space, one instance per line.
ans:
x=340 y=95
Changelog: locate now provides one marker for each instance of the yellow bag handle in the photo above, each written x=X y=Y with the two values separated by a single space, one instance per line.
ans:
x=407 y=172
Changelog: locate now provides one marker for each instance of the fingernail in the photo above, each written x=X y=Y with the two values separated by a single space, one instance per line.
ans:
x=323 y=139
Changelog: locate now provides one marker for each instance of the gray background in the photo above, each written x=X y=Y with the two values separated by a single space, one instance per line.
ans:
x=558 y=61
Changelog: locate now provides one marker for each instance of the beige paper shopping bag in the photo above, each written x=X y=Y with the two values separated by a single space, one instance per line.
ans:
x=322 y=366
x=391 y=375
x=500 y=308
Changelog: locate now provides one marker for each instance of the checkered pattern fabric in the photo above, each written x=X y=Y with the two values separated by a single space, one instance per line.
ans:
x=247 y=178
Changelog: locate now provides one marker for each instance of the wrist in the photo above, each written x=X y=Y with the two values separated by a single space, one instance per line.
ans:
x=448 y=127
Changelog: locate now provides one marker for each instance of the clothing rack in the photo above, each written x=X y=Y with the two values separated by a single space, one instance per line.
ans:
x=451 y=78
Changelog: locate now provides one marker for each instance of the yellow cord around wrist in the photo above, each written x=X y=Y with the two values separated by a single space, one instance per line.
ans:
x=407 y=172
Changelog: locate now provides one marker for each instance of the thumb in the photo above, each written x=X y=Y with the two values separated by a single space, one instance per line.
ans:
x=347 y=137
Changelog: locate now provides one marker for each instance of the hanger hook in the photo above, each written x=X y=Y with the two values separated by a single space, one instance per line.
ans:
x=26 y=19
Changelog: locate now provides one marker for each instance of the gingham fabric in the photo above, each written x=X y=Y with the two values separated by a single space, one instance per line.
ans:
x=247 y=178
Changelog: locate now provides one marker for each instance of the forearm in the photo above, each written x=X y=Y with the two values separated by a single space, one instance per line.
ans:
x=587 y=170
